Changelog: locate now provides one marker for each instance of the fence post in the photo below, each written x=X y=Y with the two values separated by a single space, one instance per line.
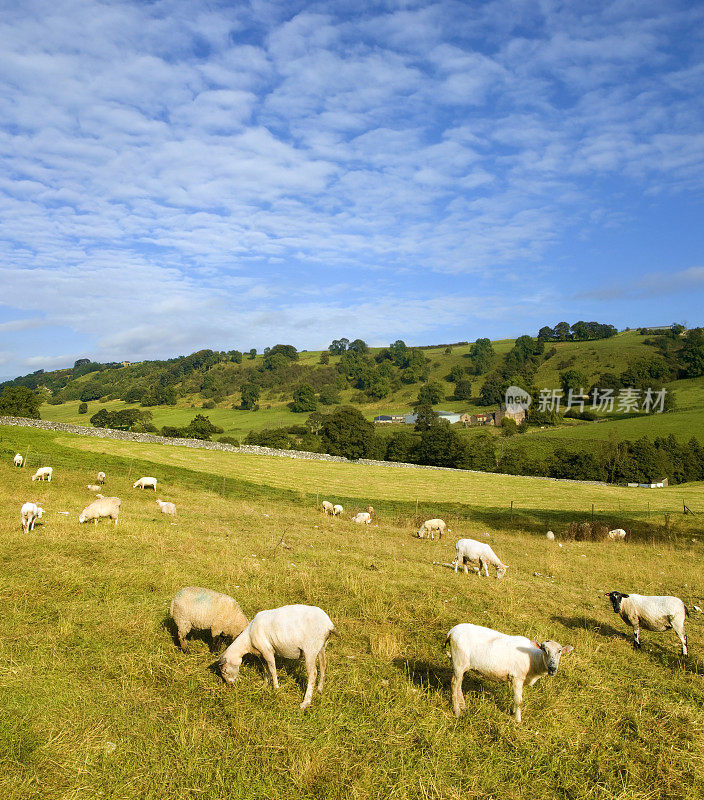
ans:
x=592 y=512
x=317 y=498
x=129 y=471
x=25 y=456
x=223 y=486
x=511 y=512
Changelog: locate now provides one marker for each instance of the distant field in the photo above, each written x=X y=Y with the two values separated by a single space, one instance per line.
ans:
x=98 y=702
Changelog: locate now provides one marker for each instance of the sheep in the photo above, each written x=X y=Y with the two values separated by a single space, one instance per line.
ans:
x=167 y=508
x=337 y=510
x=145 y=482
x=617 y=535
x=428 y=528
x=516 y=660
x=328 y=508
x=101 y=477
x=29 y=514
x=101 y=507
x=203 y=609
x=470 y=550
x=92 y=487
x=18 y=460
x=364 y=517
x=550 y=536
x=289 y=632
x=43 y=473
x=653 y=612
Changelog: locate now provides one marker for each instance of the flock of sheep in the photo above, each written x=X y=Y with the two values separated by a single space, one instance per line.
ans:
x=302 y=631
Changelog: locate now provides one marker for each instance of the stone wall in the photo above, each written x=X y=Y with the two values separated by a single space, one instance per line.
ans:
x=149 y=438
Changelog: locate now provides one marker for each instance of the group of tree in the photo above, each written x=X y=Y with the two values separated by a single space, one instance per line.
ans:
x=126 y=419
x=579 y=332
x=200 y=427
x=19 y=401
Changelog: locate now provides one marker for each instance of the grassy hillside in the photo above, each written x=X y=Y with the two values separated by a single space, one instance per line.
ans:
x=97 y=700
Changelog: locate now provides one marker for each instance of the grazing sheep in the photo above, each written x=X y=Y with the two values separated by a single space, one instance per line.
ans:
x=43 y=474
x=143 y=483
x=18 y=460
x=205 y=609
x=337 y=510
x=101 y=477
x=101 y=507
x=364 y=517
x=328 y=508
x=167 y=508
x=370 y=510
x=472 y=551
x=29 y=514
x=653 y=612
x=617 y=535
x=289 y=632
x=92 y=487
x=550 y=536
x=516 y=660
x=428 y=528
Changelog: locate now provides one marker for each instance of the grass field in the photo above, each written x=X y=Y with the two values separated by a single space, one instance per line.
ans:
x=98 y=702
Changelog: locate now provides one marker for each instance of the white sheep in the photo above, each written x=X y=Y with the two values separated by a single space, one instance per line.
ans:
x=18 y=460
x=652 y=612
x=337 y=510
x=43 y=473
x=101 y=477
x=205 y=609
x=167 y=508
x=29 y=514
x=516 y=660
x=289 y=632
x=550 y=536
x=474 y=552
x=101 y=507
x=92 y=487
x=328 y=508
x=617 y=535
x=363 y=517
x=428 y=528
x=145 y=482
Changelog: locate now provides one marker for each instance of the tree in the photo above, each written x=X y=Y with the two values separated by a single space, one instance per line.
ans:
x=101 y=419
x=401 y=446
x=358 y=346
x=481 y=354
x=338 y=346
x=329 y=395
x=325 y=357
x=83 y=408
x=347 y=433
x=441 y=446
x=425 y=417
x=304 y=399
x=508 y=427
x=546 y=334
x=562 y=331
x=431 y=392
x=573 y=379
x=493 y=391
x=235 y=357
x=250 y=396
x=455 y=374
x=19 y=401
x=92 y=391
x=480 y=453
x=463 y=390
x=200 y=427
x=253 y=353
x=692 y=354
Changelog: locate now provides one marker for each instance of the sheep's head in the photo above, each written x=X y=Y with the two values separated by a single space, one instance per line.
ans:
x=82 y=517
x=229 y=667
x=501 y=571
x=40 y=511
x=616 y=598
x=552 y=652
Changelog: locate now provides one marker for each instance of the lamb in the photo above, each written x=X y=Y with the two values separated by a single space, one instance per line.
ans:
x=472 y=551
x=653 y=612
x=516 y=660
x=337 y=510
x=289 y=632
x=92 y=487
x=364 y=517
x=29 y=514
x=101 y=507
x=203 y=609
x=43 y=473
x=428 y=528
x=101 y=477
x=550 y=536
x=328 y=508
x=18 y=460
x=617 y=535
x=145 y=482
x=167 y=508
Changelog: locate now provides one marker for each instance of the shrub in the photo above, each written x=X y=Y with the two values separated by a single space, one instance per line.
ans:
x=229 y=440
x=83 y=408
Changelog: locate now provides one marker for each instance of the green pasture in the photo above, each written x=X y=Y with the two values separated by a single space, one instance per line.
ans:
x=97 y=701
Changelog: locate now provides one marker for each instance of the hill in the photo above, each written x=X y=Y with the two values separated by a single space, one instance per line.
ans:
x=98 y=700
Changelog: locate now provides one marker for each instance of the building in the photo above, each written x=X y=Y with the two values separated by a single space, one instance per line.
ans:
x=516 y=416
x=390 y=419
x=410 y=419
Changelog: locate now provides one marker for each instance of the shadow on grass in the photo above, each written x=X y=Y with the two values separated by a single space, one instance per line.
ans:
x=589 y=624
x=216 y=645
x=425 y=674
x=668 y=656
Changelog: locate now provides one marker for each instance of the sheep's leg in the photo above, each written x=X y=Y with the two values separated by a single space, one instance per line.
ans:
x=517 y=686
x=322 y=664
x=458 y=704
x=182 y=633
x=457 y=563
x=683 y=638
x=312 y=671
x=215 y=641
x=636 y=636
x=271 y=663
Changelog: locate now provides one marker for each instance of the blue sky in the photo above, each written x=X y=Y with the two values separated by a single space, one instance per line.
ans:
x=181 y=175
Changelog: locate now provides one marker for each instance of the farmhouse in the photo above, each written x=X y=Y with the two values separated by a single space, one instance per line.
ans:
x=516 y=416
x=390 y=419
x=451 y=417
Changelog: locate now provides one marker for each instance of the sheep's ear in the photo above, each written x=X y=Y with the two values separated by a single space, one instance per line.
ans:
x=536 y=644
x=567 y=649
